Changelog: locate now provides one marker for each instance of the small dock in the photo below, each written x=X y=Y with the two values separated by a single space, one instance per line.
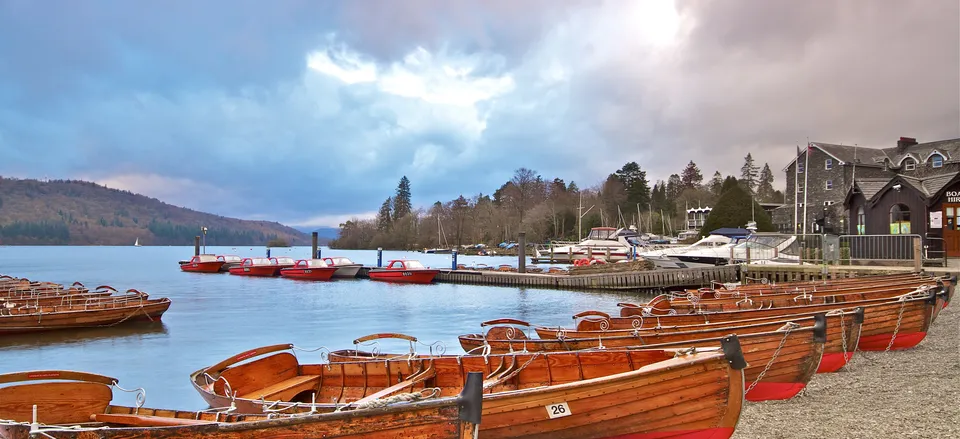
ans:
x=663 y=279
x=637 y=280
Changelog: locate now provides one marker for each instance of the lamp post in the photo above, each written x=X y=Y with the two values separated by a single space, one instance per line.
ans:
x=204 y=230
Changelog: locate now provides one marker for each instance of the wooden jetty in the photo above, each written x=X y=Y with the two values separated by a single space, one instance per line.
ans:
x=657 y=279
x=660 y=279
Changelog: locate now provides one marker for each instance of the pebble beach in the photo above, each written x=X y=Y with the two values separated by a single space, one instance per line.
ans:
x=913 y=393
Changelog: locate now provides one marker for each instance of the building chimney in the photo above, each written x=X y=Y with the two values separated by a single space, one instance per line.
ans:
x=904 y=142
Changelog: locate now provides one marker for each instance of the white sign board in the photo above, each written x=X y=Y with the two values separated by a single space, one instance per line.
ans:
x=558 y=410
x=936 y=220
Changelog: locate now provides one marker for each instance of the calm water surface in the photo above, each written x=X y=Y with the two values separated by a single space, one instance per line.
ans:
x=214 y=316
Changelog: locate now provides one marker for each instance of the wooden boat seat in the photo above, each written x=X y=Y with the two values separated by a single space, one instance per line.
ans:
x=285 y=389
x=144 y=420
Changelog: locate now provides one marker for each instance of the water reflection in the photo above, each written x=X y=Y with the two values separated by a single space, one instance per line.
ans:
x=127 y=333
x=216 y=316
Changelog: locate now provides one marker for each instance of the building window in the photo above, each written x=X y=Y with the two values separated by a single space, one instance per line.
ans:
x=936 y=161
x=861 y=222
x=828 y=164
x=909 y=164
x=828 y=203
x=899 y=220
x=800 y=205
x=799 y=188
x=828 y=185
x=799 y=167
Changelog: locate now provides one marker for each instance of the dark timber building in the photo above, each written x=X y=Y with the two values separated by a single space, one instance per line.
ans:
x=910 y=188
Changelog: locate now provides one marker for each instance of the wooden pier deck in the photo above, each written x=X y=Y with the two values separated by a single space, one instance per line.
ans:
x=663 y=279
x=639 y=280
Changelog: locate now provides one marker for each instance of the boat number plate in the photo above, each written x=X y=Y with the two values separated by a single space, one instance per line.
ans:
x=407 y=273
x=558 y=410
x=246 y=269
x=307 y=271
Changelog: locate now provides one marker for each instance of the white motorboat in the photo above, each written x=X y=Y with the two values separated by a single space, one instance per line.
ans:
x=774 y=248
x=602 y=243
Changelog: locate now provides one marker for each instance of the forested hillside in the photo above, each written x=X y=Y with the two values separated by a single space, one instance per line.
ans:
x=62 y=212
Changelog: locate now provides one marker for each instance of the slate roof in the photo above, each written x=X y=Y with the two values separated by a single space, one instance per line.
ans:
x=950 y=148
x=927 y=186
x=862 y=155
x=870 y=186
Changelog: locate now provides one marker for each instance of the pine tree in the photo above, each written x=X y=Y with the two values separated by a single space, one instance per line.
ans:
x=691 y=178
x=735 y=208
x=635 y=181
x=765 y=191
x=716 y=183
x=383 y=217
x=749 y=174
x=401 y=202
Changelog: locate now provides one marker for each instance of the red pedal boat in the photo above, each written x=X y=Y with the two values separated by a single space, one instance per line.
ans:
x=257 y=267
x=309 y=269
x=405 y=271
x=202 y=264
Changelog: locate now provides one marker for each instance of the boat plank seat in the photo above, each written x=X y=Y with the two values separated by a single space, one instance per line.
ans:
x=286 y=389
x=144 y=420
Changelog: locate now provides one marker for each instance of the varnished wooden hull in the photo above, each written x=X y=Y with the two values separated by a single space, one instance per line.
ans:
x=65 y=404
x=790 y=369
x=842 y=336
x=629 y=323
x=78 y=317
x=608 y=394
x=685 y=306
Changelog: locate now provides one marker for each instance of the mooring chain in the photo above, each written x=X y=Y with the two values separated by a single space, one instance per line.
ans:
x=896 y=330
x=790 y=326
x=843 y=337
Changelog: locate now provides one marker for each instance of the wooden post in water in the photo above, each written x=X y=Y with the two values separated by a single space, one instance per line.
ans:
x=551 y=253
x=522 y=252
x=313 y=245
x=196 y=245
x=589 y=253
x=748 y=254
x=607 y=254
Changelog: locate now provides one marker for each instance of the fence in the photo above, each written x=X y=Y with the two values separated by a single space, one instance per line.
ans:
x=882 y=250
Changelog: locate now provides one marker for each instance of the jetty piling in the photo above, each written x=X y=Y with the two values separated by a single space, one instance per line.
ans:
x=379 y=257
x=453 y=255
x=314 y=248
x=196 y=245
x=522 y=252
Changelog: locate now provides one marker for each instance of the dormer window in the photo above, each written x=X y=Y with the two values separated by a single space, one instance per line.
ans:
x=936 y=161
x=799 y=167
x=828 y=164
x=909 y=164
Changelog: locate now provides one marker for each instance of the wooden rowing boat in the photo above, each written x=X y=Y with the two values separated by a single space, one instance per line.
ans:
x=789 y=353
x=87 y=315
x=914 y=313
x=842 y=336
x=666 y=304
x=585 y=395
x=77 y=405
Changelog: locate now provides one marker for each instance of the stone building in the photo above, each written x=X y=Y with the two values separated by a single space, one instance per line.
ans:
x=834 y=172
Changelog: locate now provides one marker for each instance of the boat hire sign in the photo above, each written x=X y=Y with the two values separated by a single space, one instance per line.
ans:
x=953 y=196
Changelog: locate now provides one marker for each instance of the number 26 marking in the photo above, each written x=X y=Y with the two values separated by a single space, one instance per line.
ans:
x=558 y=410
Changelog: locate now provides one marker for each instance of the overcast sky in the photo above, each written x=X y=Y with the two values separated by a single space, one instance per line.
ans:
x=309 y=112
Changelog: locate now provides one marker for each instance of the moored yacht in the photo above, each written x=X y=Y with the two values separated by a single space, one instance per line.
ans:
x=601 y=240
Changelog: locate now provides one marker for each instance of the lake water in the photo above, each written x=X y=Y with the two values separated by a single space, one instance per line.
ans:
x=214 y=316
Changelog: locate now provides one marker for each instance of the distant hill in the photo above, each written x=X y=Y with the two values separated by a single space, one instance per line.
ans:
x=66 y=212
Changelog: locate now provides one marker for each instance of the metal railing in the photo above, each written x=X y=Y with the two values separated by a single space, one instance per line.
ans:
x=880 y=250
x=812 y=249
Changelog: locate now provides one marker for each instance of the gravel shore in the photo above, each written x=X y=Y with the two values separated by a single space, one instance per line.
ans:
x=913 y=393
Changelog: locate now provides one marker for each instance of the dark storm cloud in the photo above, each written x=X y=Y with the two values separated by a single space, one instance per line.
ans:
x=211 y=104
